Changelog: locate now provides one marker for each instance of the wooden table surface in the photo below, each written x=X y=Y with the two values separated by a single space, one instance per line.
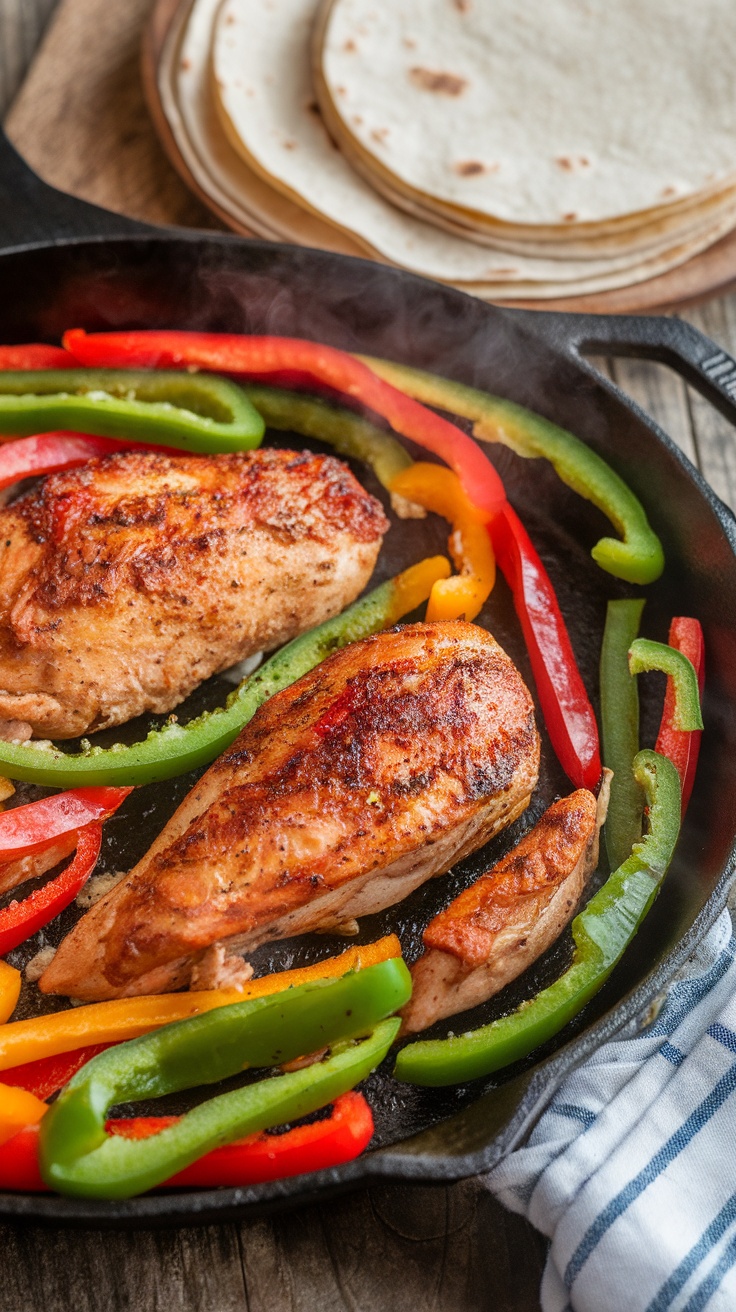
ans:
x=80 y=120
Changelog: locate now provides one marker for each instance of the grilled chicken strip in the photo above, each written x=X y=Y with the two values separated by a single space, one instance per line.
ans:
x=381 y=768
x=496 y=928
x=126 y=582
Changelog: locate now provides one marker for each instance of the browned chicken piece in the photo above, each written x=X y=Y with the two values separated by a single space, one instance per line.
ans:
x=508 y=917
x=126 y=582
x=381 y=768
x=14 y=873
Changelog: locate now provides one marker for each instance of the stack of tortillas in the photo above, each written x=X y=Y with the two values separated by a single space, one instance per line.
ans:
x=520 y=151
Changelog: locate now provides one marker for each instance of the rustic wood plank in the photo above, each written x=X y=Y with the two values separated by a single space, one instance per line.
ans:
x=80 y=119
x=714 y=435
x=431 y=1247
x=138 y=1271
x=21 y=25
x=662 y=395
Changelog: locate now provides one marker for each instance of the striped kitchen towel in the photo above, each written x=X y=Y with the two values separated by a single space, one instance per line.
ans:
x=631 y=1171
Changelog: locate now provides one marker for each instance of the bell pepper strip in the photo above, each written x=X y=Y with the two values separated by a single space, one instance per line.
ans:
x=46 y=1076
x=646 y=655
x=350 y=434
x=78 y=1157
x=10 y=982
x=19 y=1171
x=620 y=728
x=27 y=1042
x=35 y=355
x=314 y=1147
x=344 y=1135
x=48 y=453
x=566 y=707
x=262 y=358
x=18 y=1108
x=175 y=749
x=638 y=556
x=27 y=829
x=439 y=490
x=601 y=933
x=181 y=410
x=680 y=745
x=20 y=920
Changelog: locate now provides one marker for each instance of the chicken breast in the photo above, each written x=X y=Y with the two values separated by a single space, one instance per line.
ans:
x=379 y=769
x=511 y=915
x=126 y=582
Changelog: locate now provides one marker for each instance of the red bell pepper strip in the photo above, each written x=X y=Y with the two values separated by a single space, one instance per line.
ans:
x=682 y=748
x=34 y=355
x=263 y=357
x=47 y=453
x=20 y=920
x=47 y=1075
x=25 y=830
x=568 y=714
x=315 y=1147
x=565 y=704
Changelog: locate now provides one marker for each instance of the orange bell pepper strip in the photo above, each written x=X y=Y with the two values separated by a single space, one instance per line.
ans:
x=439 y=489
x=18 y=1109
x=127 y=1018
x=10 y=980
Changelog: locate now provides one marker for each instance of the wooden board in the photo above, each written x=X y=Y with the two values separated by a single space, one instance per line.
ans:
x=710 y=273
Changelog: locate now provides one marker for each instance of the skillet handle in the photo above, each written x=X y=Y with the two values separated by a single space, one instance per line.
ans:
x=673 y=342
x=33 y=213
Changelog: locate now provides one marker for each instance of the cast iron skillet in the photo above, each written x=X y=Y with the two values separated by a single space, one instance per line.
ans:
x=67 y=263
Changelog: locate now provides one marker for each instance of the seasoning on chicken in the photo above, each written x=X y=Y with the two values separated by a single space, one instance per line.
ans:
x=126 y=582
x=386 y=764
x=508 y=917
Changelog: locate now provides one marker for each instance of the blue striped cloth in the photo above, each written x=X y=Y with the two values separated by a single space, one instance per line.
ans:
x=631 y=1171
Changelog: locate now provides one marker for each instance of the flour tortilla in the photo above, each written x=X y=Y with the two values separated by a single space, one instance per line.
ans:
x=557 y=114
x=262 y=90
x=253 y=206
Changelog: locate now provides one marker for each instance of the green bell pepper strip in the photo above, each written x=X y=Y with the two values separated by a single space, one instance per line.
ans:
x=638 y=557
x=122 y=1168
x=646 y=655
x=350 y=434
x=620 y=728
x=601 y=933
x=175 y=749
x=192 y=412
x=76 y=1154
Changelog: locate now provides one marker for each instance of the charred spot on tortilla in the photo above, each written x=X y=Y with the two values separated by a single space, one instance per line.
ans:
x=443 y=84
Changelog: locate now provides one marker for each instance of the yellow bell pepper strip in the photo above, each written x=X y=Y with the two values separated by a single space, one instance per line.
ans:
x=601 y=933
x=25 y=1041
x=77 y=1156
x=620 y=728
x=18 y=1109
x=186 y=411
x=638 y=556
x=10 y=982
x=438 y=489
x=175 y=749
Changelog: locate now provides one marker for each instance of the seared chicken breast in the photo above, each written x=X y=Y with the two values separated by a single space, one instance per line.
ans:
x=496 y=928
x=126 y=582
x=386 y=764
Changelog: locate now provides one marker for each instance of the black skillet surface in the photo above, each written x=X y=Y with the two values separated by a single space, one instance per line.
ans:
x=65 y=263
